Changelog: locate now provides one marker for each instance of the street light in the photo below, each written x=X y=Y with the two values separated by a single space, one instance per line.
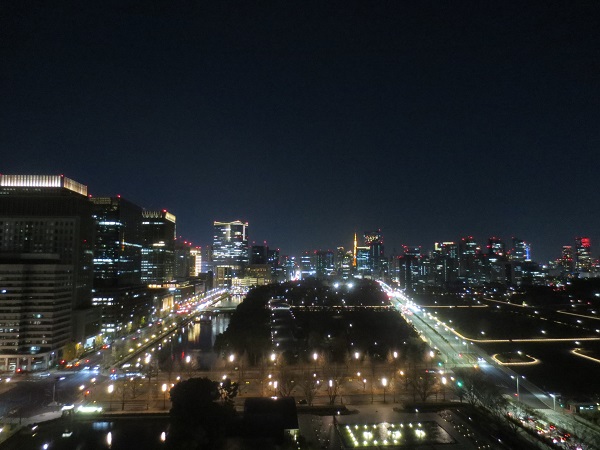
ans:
x=384 y=383
x=444 y=381
x=164 y=389
x=111 y=390
x=517 y=378
x=553 y=401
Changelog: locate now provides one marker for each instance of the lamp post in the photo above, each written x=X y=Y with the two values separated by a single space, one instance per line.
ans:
x=553 y=401
x=232 y=368
x=517 y=378
x=384 y=383
x=444 y=381
x=111 y=390
x=164 y=390
x=395 y=355
x=315 y=357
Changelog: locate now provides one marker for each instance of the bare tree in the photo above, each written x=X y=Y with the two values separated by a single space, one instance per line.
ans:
x=332 y=390
x=425 y=385
x=287 y=379
x=334 y=377
x=309 y=385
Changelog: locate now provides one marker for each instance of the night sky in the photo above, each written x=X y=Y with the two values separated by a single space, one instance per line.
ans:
x=313 y=120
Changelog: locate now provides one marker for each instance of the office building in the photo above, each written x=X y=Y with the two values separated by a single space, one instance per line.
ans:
x=444 y=263
x=374 y=241
x=496 y=248
x=259 y=254
x=567 y=259
x=468 y=260
x=196 y=255
x=230 y=244
x=521 y=250
x=118 y=243
x=185 y=261
x=158 y=250
x=46 y=259
x=583 y=253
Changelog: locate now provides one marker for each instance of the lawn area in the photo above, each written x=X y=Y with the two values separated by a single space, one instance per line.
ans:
x=479 y=323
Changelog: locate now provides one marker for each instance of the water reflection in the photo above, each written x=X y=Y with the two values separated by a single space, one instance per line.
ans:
x=191 y=347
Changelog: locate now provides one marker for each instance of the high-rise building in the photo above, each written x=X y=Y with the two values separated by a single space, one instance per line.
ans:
x=583 y=263
x=118 y=243
x=325 y=265
x=35 y=311
x=230 y=243
x=363 y=262
x=158 y=251
x=567 y=259
x=259 y=254
x=308 y=264
x=230 y=251
x=46 y=259
x=445 y=263
x=468 y=253
x=184 y=261
x=521 y=250
x=274 y=263
x=196 y=254
x=374 y=241
x=496 y=248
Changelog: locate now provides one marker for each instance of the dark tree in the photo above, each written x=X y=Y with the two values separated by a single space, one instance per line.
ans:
x=201 y=410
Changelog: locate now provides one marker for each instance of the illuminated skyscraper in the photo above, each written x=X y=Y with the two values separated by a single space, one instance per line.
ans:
x=196 y=254
x=230 y=252
x=230 y=243
x=158 y=251
x=583 y=263
x=445 y=263
x=468 y=253
x=521 y=250
x=567 y=259
x=118 y=242
x=496 y=248
x=46 y=252
x=374 y=241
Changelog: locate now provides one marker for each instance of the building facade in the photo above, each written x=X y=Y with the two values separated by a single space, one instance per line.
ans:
x=158 y=250
x=46 y=247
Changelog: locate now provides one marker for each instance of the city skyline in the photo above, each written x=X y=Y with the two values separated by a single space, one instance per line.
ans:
x=366 y=237
x=430 y=122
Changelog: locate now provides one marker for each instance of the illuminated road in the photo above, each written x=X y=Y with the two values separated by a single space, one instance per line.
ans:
x=458 y=351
